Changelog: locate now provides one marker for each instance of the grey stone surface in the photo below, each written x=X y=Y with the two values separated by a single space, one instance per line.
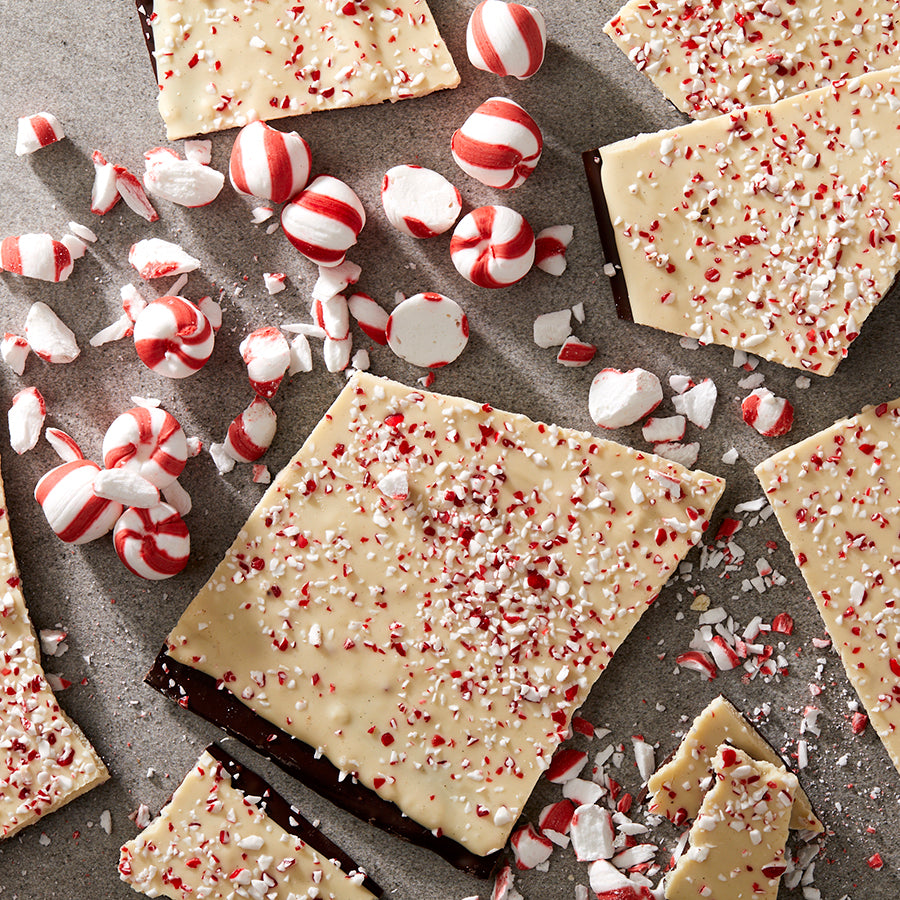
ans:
x=87 y=64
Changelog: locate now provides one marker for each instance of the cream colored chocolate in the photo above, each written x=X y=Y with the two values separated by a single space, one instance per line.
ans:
x=213 y=841
x=770 y=229
x=224 y=63
x=676 y=788
x=45 y=760
x=737 y=840
x=437 y=646
x=836 y=498
x=711 y=58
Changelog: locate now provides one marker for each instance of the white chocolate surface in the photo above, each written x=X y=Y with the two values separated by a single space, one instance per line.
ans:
x=711 y=58
x=224 y=64
x=45 y=760
x=836 y=498
x=212 y=841
x=769 y=230
x=737 y=840
x=437 y=647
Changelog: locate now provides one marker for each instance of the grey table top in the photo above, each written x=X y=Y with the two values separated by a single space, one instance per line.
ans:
x=87 y=64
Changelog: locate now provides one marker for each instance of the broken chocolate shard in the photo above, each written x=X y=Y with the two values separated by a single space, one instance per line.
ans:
x=197 y=692
x=593 y=166
x=145 y=13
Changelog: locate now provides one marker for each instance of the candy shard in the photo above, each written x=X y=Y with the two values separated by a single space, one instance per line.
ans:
x=104 y=193
x=132 y=192
x=620 y=398
x=182 y=181
x=697 y=403
x=48 y=336
x=156 y=258
x=301 y=355
x=14 y=350
x=269 y=164
x=152 y=543
x=550 y=247
x=251 y=433
x=267 y=355
x=336 y=353
x=36 y=131
x=333 y=279
x=74 y=512
x=506 y=38
x=66 y=447
x=427 y=330
x=173 y=337
x=771 y=416
x=492 y=247
x=553 y=328
x=499 y=144
x=419 y=202
x=575 y=353
x=371 y=318
x=324 y=221
x=36 y=256
x=26 y=419
x=148 y=442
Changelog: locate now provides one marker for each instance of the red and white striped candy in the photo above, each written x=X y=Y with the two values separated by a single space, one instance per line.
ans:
x=324 y=221
x=493 y=247
x=132 y=192
x=370 y=317
x=36 y=131
x=419 y=202
x=251 y=433
x=530 y=848
x=49 y=336
x=575 y=353
x=499 y=144
x=267 y=355
x=14 y=351
x=771 y=416
x=268 y=163
x=104 y=193
x=173 y=337
x=36 y=256
x=148 y=441
x=182 y=181
x=152 y=543
x=64 y=444
x=427 y=330
x=26 y=419
x=550 y=247
x=156 y=258
x=506 y=38
x=74 y=512
x=332 y=316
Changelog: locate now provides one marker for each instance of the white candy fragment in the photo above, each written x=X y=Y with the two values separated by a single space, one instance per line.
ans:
x=606 y=880
x=224 y=462
x=36 y=131
x=274 y=281
x=669 y=428
x=360 y=360
x=551 y=329
x=419 y=202
x=26 y=419
x=251 y=433
x=697 y=403
x=182 y=181
x=156 y=258
x=14 y=351
x=36 y=256
x=176 y=496
x=83 y=232
x=333 y=279
x=550 y=245
x=66 y=447
x=198 y=151
x=730 y=456
x=267 y=356
x=592 y=833
x=53 y=641
x=115 y=331
x=680 y=383
x=261 y=474
x=371 y=318
x=620 y=398
x=685 y=454
x=260 y=214
x=212 y=310
x=428 y=330
x=395 y=484
x=644 y=757
x=301 y=355
x=336 y=353
x=127 y=487
x=333 y=317
x=104 y=193
x=75 y=245
x=48 y=336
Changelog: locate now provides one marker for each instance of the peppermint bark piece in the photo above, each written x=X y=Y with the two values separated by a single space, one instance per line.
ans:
x=435 y=644
x=835 y=497
x=302 y=57
x=677 y=788
x=770 y=229
x=737 y=840
x=45 y=760
x=712 y=58
x=213 y=839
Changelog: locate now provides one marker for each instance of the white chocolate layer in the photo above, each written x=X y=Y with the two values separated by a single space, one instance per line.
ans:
x=711 y=58
x=737 y=840
x=836 y=498
x=676 y=788
x=770 y=229
x=211 y=841
x=436 y=646
x=45 y=760
x=224 y=63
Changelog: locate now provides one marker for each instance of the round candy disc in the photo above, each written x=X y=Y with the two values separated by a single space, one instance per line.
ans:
x=428 y=330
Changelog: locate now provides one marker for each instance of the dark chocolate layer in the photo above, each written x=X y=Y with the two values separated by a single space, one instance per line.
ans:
x=593 y=165
x=197 y=692
x=287 y=816
x=145 y=11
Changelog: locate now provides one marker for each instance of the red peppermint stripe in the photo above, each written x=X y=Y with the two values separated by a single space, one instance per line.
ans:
x=10 y=259
x=190 y=329
x=484 y=44
x=151 y=553
x=331 y=208
x=490 y=155
x=531 y=37
x=43 y=130
x=87 y=514
x=514 y=248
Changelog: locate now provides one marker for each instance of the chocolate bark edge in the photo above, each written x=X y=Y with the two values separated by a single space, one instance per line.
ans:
x=593 y=165
x=145 y=12
x=197 y=692
x=285 y=815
